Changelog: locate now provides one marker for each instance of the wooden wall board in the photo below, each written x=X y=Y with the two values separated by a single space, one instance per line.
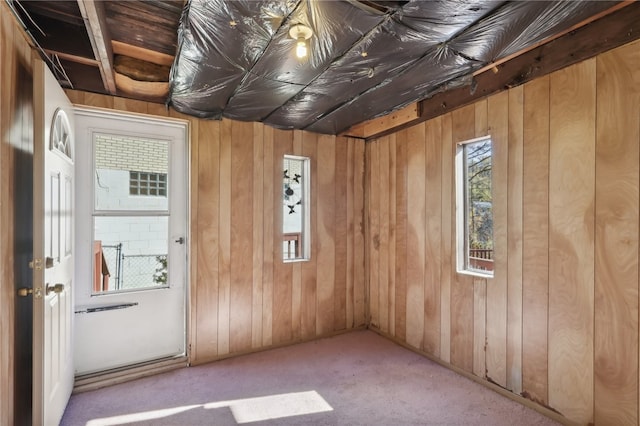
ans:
x=617 y=226
x=416 y=177
x=463 y=129
x=359 y=285
x=448 y=227
x=383 y=241
x=571 y=240
x=400 y=319
x=480 y=284
x=296 y=267
x=310 y=268
x=373 y=213
x=350 y=233
x=498 y=107
x=514 y=239
x=241 y=212
x=10 y=47
x=535 y=236
x=341 y=229
x=224 y=239
x=391 y=267
x=326 y=233
x=271 y=168
x=205 y=298
x=433 y=236
x=282 y=272
x=258 y=235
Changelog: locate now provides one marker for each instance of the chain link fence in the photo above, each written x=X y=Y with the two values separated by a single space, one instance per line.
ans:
x=134 y=271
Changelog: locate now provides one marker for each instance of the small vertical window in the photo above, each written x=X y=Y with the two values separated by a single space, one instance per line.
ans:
x=296 y=243
x=474 y=207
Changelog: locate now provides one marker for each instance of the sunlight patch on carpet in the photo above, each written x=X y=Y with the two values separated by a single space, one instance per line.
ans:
x=138 y=417
x=250 y=410
x=245 y=410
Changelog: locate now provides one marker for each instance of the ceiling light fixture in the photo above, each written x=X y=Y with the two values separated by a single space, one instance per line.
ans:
x=301 y=33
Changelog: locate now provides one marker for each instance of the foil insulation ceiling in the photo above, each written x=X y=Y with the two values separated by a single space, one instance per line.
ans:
x=236 y=58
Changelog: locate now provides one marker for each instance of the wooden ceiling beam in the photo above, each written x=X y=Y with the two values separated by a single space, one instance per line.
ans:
x=72 y=58
x=95 y=20
x=159 y=58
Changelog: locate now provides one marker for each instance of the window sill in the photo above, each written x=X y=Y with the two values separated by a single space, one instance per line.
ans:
x=475 y=274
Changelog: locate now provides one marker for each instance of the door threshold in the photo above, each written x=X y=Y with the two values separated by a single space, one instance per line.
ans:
x=93 y=381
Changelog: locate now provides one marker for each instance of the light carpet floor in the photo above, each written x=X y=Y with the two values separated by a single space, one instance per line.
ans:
x=357 y=378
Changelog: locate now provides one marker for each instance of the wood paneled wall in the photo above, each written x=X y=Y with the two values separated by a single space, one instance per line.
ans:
x=558 y=323
x=15 y=55
x=243 y=297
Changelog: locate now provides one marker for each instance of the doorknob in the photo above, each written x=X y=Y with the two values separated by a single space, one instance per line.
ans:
x=180 y=240
x=58 y=288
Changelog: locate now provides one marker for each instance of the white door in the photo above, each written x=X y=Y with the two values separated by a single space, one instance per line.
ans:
x=131 y=250
x=53 y=248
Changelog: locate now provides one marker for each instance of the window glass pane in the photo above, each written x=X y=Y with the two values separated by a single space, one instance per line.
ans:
x=474 y=221
x=479 y=211
x=295 y=215
x=130 y=252
x=130 y=173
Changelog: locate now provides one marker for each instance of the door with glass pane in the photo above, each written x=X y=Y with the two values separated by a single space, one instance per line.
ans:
x=132 y=209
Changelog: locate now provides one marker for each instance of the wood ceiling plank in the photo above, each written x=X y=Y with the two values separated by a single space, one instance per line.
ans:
x=93 y=13
x=125 y=49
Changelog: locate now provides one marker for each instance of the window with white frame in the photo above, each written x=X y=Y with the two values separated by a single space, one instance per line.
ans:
x=296 y=243
x=474 y=207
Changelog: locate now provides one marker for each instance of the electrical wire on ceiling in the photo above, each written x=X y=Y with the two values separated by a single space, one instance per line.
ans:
x=53 y=60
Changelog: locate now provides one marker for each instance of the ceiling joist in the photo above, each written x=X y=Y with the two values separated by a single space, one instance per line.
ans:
x=95 y=20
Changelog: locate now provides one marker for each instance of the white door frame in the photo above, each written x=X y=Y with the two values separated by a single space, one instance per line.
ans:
x=84 y=227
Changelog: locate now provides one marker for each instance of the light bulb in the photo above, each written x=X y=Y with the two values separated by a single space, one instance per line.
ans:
x=301 y=48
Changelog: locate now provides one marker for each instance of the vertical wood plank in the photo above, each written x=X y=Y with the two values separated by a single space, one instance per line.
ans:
x=480 y=284
x=383 y=244
x=359 y=287
x=8 y=87
x=616 y=238
x=130 y=105
x=571 y=240
x=514 y=241
x=391 y=276
x=496 y=356
x=341 y=234
x=535 y=261
x=373 y=211
x=224 y=251
x=463 y=121
x=282 y=275
x=433 y=236
x=271 y=173
x=448 y=218
x=296 y=284
x=415 y=234
x=326 y=233
x=258 y=234
x=98 y=100
x=241 y=289
x=310 y=268
x=207 y=147
x=75 y=96
x=479 y=327
x=401 y=235
x=350 y=237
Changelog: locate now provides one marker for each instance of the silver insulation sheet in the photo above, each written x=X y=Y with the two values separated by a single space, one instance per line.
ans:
x=366 y=59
